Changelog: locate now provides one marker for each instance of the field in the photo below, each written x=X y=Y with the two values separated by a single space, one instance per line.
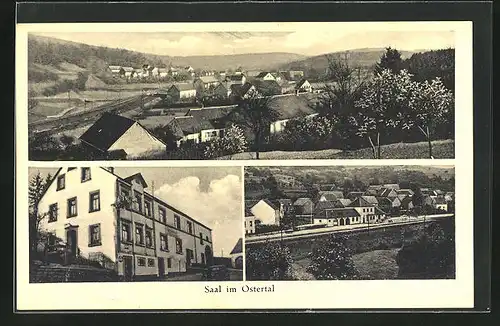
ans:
x=441 y=149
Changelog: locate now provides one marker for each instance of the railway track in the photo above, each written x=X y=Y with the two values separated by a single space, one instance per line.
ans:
x=74 y=120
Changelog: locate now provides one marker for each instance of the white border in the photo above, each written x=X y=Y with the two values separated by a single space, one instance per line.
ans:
x=456 y=293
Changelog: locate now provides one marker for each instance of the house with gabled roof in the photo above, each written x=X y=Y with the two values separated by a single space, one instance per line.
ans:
x=244 y=91
x=365 y=201
x=289 y=107
x=407 y=192
x=303 y=207
x=342 y=202
x=113 y=132
x=406 y=204
x=182 y=91
x=303 y=86
x=387 y=192
x=267 y=212
x=190 y=129
x=373 y=190
x=236 y=79
x=354 y=194
x=337 y=216
x=119 y=223
x=265 y=75
x=331 y=195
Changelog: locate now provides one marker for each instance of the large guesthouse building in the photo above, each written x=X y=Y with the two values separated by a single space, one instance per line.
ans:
x=116 y=221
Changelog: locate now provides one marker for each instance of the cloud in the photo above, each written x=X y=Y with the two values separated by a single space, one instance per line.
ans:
x=219 y=207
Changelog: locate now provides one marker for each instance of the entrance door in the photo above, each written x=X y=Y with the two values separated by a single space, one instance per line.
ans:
x=341 y=221
x=208 y=255
x=203 y=258
x=189 y=257
x=347 y=221
x=72 y=242
x=161 y=267
x=127 y=268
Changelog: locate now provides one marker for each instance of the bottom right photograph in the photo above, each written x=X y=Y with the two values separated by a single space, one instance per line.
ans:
x=349 y=222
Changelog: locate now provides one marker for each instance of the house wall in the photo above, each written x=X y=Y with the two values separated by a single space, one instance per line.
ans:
x=278 y=126
x=194 y=137
x=100 y=180
x=137 y=141
x=190 y=93
x=210 y=134
x=177 y=260
x=265 y=213
x=367 y=214
x=249 y=224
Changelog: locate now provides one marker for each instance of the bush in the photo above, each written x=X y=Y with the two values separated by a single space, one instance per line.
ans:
x=332 y=260
x=233 y=142
x=430 y=256
x=269 y=262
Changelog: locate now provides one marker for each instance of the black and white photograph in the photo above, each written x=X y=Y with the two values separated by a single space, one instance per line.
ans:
x=350 y=222
x=105 y=224
x=307 y=93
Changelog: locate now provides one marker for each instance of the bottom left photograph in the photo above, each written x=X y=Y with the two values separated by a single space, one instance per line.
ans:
x=112 y=224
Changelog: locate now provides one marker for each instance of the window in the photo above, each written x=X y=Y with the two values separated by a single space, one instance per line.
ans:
x=149 y=237
x=190 y=227
x=95 y=201
x=163 y=214
x=139 y=234
x=147 y=208
x=125 y=193
x=138 y=201
x=53 y=213
x=61 y=182
x=178 y=246
x=126 y=235
x=201 y=238
x=151 y=262
x=141 y=261
x=169 y=262
x=251 y=223
x=52 y=242
x=72 y=210
x=163 y=242
x=177 y=221
x=85 y=174
x=95 y=235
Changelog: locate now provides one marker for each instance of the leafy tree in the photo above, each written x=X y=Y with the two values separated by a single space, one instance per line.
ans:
x=431 y=255
x=431 y=64
x=269 y=262
x=429 y=108
x=382 y=105
x=233 y=141
x=165 y=134
x=333 y=260
x=36 y=189
x=318 y=132
x=391 y=60
x=255 y=113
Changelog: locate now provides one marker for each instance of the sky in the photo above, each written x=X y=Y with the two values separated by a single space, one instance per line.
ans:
x=211 y=195
x=303 y=41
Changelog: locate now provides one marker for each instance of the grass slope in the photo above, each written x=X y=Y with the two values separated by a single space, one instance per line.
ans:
x=377 y=264
x=441 y=149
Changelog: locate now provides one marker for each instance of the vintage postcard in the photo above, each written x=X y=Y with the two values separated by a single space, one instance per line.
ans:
x=242 y=166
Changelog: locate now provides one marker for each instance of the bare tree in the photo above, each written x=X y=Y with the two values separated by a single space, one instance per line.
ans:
x=256 y=113
x=36 y=190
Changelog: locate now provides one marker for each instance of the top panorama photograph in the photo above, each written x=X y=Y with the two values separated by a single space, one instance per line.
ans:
x=322 y=94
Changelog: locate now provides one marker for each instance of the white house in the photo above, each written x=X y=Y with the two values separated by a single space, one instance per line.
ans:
x=337 y=217
x=265 y=75
x=289 y=107
x=128 y=72
x=112 y=133
x=182 y=91
x=250 y=223
x=303 y=86
x=117 y=222
x=266 y=212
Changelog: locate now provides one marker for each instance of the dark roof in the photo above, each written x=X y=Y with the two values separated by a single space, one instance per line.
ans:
x=342 y=202
x=183 y=87
x=214 y=115
x=238 y=247
x=234 y=77
x=384 y=192
x=262 y=74
x=291 y=106
x=240 y=90
x=365 y=200
x=355 y=194
x=384 y=200
x=182 y=126
x=439 y=200
x=302 y=201
x=106 y=131
x=331 y=194
x=406 y=201
x=300 y=83
x=337 y=212
x=321 y=205
x=405 y=191
x=137 y=176
x=270 y=203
